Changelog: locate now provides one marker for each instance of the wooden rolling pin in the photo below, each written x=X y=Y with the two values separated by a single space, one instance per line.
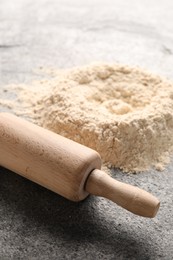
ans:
x=64 y=166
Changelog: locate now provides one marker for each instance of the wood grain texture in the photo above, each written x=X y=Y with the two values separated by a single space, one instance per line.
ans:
x=35 y=223
x=127 y=196
x=64 y=166
x=46 y=158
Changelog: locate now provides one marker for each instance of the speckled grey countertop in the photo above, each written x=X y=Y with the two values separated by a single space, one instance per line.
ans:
x=36 y=223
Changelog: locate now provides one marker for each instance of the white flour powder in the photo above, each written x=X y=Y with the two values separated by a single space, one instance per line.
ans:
x=124 y=113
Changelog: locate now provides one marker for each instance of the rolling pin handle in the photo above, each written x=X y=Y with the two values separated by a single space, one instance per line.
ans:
x=127 y=196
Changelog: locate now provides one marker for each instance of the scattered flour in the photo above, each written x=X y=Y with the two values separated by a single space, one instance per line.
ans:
x=124 y=113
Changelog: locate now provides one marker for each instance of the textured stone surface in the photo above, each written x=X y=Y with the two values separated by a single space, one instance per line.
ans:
x=36 y=223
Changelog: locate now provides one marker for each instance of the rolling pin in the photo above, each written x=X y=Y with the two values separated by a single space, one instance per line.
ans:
x=64 y=166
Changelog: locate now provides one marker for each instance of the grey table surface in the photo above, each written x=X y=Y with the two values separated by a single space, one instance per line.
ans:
x=36 y=223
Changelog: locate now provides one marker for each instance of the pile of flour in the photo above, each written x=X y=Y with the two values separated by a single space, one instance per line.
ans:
x=124 y=113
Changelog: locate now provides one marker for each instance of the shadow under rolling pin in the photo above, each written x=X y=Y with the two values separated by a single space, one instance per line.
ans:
x=64 y=166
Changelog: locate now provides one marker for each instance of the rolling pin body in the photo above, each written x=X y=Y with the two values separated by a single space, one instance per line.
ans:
x=64 y=166
x=46 y=158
